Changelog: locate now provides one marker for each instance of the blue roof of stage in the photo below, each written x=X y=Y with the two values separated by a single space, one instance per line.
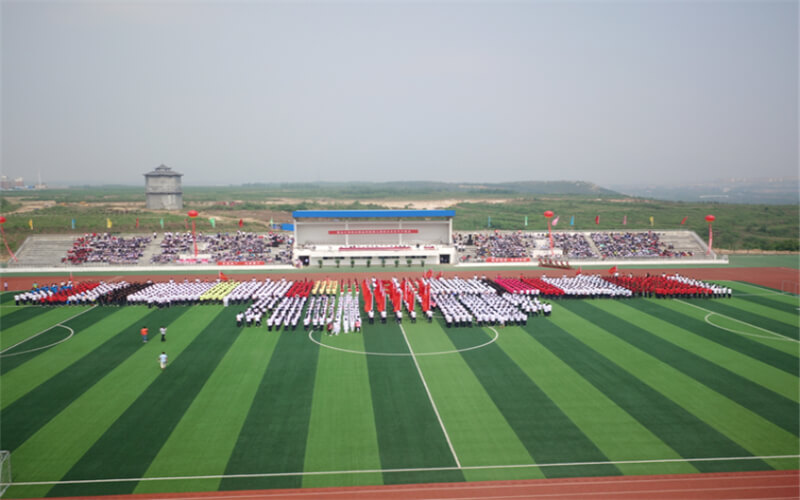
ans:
x=370 y=214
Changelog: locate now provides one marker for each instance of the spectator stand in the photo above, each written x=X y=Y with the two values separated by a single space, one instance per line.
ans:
x=240 y=248
x=105 y=248
x=499 y=246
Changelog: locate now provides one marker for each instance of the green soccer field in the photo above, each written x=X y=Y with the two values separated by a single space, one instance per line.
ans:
x=601 y=387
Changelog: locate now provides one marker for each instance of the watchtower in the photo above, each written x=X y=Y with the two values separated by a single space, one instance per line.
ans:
x=163 y=189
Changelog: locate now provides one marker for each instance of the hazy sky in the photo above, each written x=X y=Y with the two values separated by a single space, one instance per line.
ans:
x=235 y=92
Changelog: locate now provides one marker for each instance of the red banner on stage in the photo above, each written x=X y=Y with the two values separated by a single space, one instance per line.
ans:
x=351 y=249
x=508 y=259
x=373 y=231
x=241 y=263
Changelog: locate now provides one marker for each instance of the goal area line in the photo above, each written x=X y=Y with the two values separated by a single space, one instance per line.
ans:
x=410 y=469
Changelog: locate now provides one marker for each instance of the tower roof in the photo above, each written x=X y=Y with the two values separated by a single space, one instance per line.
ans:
x=163 y=170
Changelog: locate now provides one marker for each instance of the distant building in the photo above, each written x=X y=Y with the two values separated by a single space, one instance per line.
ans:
x=163 y=189
x=19 y=182
x=4 y=182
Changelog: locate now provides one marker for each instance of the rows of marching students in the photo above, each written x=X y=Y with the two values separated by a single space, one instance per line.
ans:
x=341 y=306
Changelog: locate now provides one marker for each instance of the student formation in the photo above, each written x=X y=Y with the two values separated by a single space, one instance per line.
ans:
x=342 y=306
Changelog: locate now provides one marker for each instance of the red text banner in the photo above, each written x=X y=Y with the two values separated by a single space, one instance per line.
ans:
x=241 y=263
x=397 y=248
x=373 y=231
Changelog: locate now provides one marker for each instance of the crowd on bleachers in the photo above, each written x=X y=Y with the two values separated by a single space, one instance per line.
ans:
x=103 y=248
x=272 y=248
x=632 y=245
x=497 y=245
x=242 y=246
x=173 y=245
x=574 y=245
x=485 y=247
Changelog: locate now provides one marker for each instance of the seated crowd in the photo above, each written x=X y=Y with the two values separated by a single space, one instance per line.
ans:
x=631 y=245
x=497 y=245
x=242 y=246
x=574 y=245
x=176 y=244
x=270 y=248
x=103 y=248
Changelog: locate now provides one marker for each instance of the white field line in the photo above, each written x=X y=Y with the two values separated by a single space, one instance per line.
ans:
x=767 y=294
x=766 y=291
x=778 y=335
x=430 y=397
x=47 y=329
x=71 y=333
x=411 y=469
x=370 y=353
x=746 y=334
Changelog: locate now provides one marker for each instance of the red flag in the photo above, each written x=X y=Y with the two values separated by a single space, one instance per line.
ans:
x=137 y=223
x=612 y=270
x=426 y=305
x=597 y=219
x=624 y=220
x=580 y=270
x=429 y=273
x=439 y=276
x=223 y=277
x=684 y=220
x=241 y=222
x=367 y=296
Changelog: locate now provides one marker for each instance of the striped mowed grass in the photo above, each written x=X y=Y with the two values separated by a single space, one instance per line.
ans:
x=601 y=387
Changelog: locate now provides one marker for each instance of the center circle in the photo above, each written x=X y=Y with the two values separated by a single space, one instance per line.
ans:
x=439 y=353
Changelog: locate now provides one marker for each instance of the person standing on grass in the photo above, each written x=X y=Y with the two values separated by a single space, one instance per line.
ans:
x=162 y=360
x=163 y=331
x=143 y=332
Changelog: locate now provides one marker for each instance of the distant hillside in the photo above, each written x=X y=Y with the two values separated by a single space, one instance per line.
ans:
x=423 y=190
x=771 y=191
x=401 y=190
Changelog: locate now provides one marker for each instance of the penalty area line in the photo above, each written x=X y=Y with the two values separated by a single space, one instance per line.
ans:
x=47 y=330
x=778 y=336
x=410 y=469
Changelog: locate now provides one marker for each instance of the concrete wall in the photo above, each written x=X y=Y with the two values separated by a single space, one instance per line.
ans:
x=164 y=201
x=163 y=192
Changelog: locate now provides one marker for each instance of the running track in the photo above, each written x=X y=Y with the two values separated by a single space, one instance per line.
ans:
x=713 y=486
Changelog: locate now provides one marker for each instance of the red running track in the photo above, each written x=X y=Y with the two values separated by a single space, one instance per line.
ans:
x=761 y=485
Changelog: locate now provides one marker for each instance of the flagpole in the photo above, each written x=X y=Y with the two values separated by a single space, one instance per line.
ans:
x=548 y=214
x=709 y=219
x=193 y=214
x=3 y=232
